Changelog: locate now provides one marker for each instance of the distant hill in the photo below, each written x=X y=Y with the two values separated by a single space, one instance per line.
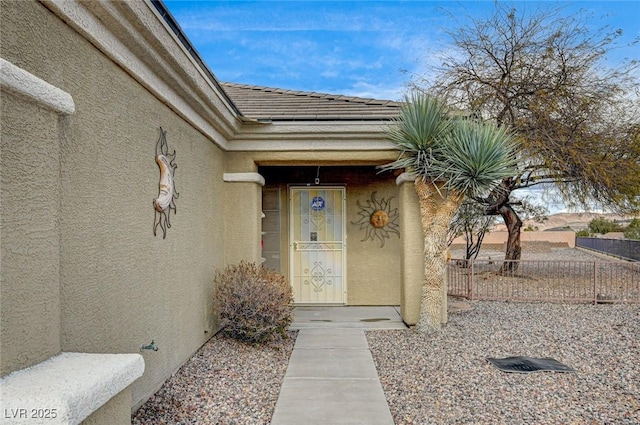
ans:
x=575 y=221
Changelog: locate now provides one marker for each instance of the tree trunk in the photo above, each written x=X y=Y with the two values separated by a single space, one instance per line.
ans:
x=436 y=211
x=514 y=251
x=498 y=203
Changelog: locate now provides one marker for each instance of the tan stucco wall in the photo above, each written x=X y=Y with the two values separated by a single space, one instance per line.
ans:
x=412 y=257
x=120 y=287
x=242 y=211
x=30 y=270
x=373 y=268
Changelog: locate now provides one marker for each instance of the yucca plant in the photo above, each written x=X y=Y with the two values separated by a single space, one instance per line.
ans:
x=450 y=158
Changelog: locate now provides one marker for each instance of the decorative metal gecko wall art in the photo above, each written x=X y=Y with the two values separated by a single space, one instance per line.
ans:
x=378 y=219
x=166 y=200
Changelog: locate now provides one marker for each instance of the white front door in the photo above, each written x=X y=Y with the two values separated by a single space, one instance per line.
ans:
x=317 y=244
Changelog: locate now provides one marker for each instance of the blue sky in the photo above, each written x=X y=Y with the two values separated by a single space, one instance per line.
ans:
x=357 y=48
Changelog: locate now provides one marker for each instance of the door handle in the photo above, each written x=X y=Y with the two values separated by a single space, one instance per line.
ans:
x=295 y=246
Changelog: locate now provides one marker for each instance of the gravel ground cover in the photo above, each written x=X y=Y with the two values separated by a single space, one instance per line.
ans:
x=444 y=378
x=225 y=382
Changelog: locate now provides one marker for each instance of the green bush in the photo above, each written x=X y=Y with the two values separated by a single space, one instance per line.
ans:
x=583 y=233
x=254 y=304
x=633 y=229
x=602 y=225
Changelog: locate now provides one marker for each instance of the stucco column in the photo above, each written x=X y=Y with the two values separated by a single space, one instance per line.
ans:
x=412 y=247
x=243 y=217
x=33 y=112
x=412 y=254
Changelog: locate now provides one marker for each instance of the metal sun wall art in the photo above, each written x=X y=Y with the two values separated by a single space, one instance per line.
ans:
x=166 y=200
x=378 y=219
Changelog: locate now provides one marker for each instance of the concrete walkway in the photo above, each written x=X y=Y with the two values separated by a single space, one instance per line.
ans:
x=331 y=378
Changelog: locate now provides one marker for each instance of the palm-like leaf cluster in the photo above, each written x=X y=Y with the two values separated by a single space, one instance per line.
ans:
x=464 y=155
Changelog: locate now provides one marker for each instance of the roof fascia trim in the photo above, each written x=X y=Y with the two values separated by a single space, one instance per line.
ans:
x=172 y=24
x=313 y=135
x=165 y=68
x=301 y=129
x=343 y=144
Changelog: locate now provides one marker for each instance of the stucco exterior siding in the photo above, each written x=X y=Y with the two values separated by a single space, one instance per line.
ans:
x=122 y=286
x=242 y=211
x=108 y=285
x=30 y=246
x=373 y=264
x=412 y=251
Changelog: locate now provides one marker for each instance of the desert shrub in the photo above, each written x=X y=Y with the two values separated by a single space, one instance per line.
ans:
x=583 y=233
x=602 y=225
x=254 y=304
x=633 y=230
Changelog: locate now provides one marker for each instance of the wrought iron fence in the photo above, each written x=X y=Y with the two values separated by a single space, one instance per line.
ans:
x=623 y=248
x=565 y=281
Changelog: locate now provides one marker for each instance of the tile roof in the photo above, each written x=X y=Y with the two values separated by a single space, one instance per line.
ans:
x=264 y=103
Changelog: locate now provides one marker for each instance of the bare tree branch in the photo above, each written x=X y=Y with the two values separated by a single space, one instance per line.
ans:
x=545 y=74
